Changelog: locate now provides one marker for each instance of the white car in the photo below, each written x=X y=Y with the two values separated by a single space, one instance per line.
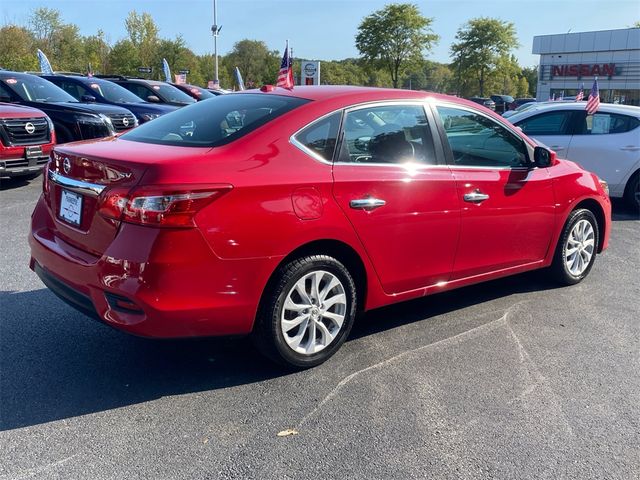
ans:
x=606 y=143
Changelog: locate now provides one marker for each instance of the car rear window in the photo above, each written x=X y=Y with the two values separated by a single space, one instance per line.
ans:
x=214 y=122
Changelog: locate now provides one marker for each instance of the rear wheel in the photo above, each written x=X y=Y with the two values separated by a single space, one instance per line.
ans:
x=307 y=312
x=576 y=249
x=632 y=192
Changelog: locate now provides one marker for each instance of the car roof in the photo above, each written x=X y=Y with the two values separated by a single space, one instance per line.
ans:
x=360 y=94
x=543 y=107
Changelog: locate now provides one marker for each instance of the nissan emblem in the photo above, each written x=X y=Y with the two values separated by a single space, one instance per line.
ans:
x=29 y=127
x=125 y=121
x=66 y=165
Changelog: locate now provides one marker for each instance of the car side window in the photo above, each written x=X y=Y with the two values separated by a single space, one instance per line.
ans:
x=605 y=123
x=551 y=123
x=138 y=90
x=71 y=88
x=321 y=136
x=387 y=134
x=478 y=141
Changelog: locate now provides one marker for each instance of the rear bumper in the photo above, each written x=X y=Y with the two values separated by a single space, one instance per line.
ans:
x=152 y=282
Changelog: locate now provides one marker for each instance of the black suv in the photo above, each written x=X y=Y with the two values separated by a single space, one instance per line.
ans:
x=503 y=102
x=91 y=89
x=151 y=90
x=71 y=119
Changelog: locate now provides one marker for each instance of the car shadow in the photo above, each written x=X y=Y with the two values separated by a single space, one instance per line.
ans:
x=621 y=212
x=56 y=363
x=17 y=182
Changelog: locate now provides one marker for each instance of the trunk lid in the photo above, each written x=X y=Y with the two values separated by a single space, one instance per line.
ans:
x=81 y=174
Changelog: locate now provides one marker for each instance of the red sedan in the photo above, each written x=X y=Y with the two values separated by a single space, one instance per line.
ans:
x=282 y=214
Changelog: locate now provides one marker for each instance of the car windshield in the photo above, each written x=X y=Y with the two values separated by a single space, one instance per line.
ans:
x=35 y=89
x=114 y=92
x=525 y=106
x=216 y=121
x=172 y=94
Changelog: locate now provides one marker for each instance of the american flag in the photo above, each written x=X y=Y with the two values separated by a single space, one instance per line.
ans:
x=593 y=103
x=580 y=95
x=285 y=75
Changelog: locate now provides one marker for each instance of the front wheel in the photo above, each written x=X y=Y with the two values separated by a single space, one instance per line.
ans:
x=576 y=249
x=307 y=312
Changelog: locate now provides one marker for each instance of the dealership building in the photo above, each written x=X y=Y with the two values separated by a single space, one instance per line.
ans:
x=571 y=59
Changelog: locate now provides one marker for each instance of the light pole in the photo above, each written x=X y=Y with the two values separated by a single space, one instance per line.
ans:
x=215 y=29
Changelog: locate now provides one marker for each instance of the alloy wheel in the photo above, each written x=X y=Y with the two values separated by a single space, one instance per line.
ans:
x=314 y=312
x=580 y=247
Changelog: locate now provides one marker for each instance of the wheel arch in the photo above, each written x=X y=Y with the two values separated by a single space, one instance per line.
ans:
x=594 y=207
x=337 y=249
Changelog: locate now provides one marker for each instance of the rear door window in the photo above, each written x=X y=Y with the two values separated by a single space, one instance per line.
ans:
x=552 y=123
x=215 y=122
x=393 y=133
x=605 y=123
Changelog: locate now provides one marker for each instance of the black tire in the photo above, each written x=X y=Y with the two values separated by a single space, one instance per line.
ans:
x=268 y=335
x=632 y=192
x=559 y=270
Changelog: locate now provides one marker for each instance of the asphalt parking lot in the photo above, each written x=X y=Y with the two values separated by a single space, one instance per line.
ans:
x=513 y=379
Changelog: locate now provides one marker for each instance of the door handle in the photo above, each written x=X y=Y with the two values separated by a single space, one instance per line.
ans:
x=368 y=203
x=557 y=148
x=475 y=197
x=630 y=148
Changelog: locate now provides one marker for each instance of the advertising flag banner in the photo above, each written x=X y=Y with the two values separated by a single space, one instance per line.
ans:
x=239 y=80
x=166 y=70
x=45 y=66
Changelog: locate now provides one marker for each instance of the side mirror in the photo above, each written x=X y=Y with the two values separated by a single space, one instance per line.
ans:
x=88 y=98
x=153 y=98
x=543 y=157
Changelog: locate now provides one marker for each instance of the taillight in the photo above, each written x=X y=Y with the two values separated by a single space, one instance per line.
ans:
x=159 y=206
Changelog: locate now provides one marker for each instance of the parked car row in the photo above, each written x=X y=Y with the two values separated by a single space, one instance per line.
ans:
x=74 y=107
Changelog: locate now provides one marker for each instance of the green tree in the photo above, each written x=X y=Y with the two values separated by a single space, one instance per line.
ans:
x=44 y=23
x=17 y=49
x=67 y=49
x=394 y=37
x=96 y=52
x=481 y=43
x=258 y=65
x=531 y=74
x=123 y=58
x=143 y=35
x=343 y=72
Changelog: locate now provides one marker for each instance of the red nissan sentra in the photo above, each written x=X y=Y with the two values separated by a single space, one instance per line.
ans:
x=281 y=214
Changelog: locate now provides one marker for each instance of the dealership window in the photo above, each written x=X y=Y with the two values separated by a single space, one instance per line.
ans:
x=553 y=123
x=320 y=137
x=387 y=134
x=605 y=123
x=479 y=141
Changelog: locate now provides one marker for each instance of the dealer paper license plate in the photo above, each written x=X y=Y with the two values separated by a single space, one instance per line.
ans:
x=71 y=207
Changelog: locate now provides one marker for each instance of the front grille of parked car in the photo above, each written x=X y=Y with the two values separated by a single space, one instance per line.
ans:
x=25 y=131
x=122 y=121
